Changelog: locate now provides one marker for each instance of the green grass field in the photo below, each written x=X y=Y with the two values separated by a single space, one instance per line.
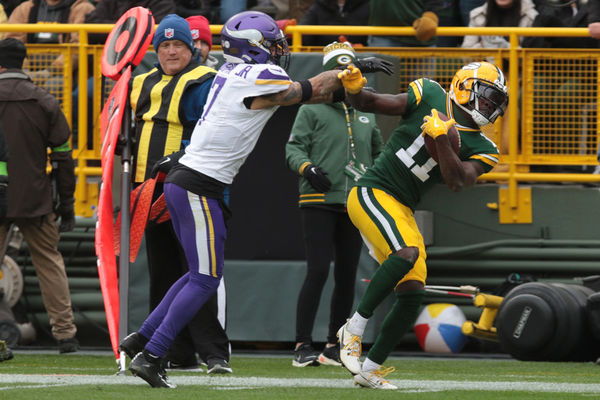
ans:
x=92 y=376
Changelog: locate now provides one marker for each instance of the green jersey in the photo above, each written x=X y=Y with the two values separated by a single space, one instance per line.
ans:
x=405 y=169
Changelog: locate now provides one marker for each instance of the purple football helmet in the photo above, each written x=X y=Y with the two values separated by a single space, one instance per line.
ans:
x=253 y=37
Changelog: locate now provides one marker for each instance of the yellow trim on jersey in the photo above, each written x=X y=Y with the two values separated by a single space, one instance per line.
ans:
x=211 y=238
x=489 y=159
x=272 y=82
x=417 y=87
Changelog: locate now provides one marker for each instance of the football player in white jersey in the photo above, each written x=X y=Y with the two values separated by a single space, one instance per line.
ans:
x=247 y=90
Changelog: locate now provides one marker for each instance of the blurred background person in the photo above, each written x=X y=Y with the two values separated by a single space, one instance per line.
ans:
x=330 y=145
x=335 y=12
x=518 y=13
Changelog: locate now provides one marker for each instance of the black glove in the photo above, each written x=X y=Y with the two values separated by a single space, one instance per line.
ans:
x=67 y=218
x=3 y=201
x=317 y=178
x=166 y=163
x=374 y=64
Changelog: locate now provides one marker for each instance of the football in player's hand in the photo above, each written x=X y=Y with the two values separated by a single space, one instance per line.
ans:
x=452 y=135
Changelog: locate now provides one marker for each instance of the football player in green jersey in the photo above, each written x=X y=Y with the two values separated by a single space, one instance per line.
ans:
x=381 y=205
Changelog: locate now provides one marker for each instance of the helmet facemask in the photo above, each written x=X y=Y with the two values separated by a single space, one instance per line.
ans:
x=280 y=52
x=487 y=102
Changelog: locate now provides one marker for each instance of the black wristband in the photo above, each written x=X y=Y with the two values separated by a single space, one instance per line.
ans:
x=339 y=95
x=306 y=90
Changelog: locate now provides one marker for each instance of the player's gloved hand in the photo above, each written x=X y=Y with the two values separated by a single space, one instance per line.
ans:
x=317 y=178
x=67 y=217
x=426 y=26
x=166 y=163
x=352 y=79
x=374 y=64
x=434 y=126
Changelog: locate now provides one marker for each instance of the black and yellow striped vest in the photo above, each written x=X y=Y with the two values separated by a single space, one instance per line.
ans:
x=155 y=99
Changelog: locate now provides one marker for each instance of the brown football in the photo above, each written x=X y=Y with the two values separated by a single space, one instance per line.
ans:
x=452 y=135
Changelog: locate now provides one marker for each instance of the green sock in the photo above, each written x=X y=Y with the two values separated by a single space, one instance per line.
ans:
x=397 y=322
x=384 y=280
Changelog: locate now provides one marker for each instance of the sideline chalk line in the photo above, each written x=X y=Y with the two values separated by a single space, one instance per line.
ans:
x=22 y=381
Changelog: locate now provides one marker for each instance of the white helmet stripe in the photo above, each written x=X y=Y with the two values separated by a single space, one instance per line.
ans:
x=253 y=36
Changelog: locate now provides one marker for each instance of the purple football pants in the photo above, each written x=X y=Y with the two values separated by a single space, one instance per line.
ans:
x=200 y=227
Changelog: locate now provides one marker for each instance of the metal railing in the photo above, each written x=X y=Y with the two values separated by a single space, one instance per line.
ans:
x=551 y=118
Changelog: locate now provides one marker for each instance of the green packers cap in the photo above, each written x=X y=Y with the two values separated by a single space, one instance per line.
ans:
x=336 y=54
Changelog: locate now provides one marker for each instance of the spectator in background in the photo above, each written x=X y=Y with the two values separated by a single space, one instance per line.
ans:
x=335 y=12
x=562 y=14
x=518 y=13
x=298 y=8
x=3 y=18
x=594 y=18
x=200 y=29
x=49 y=11
x=328 y=141
x=231 y=7
x=465 y=7
x=33 y=123
x=109 y=11
x=10 y=5
x=206 y=8
x=421 y=15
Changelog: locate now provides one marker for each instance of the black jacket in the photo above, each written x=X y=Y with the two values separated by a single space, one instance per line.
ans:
x=327 y=12
x=109 y=11
x=559 y=15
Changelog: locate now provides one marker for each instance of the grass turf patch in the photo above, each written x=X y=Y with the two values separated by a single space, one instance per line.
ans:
x=90 y=377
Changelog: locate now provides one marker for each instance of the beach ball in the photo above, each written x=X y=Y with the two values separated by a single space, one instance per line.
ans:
x=438 y=328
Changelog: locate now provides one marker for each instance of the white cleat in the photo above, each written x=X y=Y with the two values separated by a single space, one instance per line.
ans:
x=375 y=379
x=350 y=350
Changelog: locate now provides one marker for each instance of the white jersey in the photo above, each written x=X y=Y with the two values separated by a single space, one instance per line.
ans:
x=228 y=131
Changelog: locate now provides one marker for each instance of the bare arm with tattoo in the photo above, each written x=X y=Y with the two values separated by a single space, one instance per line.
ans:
x=323 y=86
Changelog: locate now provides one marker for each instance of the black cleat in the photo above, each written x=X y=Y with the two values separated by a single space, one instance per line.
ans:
x=305 y=355
x=70 y=345
x=148 y=367
x=218 y=366
x=133 y=344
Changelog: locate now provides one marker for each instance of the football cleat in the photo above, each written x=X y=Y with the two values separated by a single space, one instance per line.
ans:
x=218 y=366
x=375 y=379
x=350 y=350
x=330 y=356
x=304 y=356
x=132 y=344
x=151 y=372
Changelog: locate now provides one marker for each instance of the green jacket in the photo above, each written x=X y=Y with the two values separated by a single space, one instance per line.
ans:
x=320 y=136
